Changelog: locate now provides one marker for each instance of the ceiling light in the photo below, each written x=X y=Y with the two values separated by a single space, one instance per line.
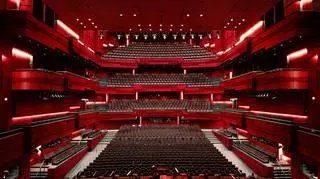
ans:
x=134 y=15
x=201 y=15
x=182 y=25
x=188 y=15
x=149 y=25
x=95 y=26
x=225 y=27
x=92 y=23
x=180 y=29
x=171 y=25
x=170 y=29
x=130 y=29
x=239 y=23
x=160 y=29
x=160 y=25
x=190 y=30
x=121 y=15
x=243 y=20
x=77 y=19
x=81 y=23
x=140 y=29
x=139 y=25
x=150 y=29
x=231 y=20
x=228 y=23
x=89 y=19
x=235 y=27
x=84 y=26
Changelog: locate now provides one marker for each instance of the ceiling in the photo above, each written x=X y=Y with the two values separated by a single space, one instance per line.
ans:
x=149 y=15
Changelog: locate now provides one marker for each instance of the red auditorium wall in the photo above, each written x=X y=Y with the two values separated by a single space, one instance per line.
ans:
x=33 y=106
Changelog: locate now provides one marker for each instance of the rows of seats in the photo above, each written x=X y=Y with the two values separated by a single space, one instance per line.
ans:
x=191 y=80
x=160 y=150
x=254 y=151
x=153 y=104
x=159 y=50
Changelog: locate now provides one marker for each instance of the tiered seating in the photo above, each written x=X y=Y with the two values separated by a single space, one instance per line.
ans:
x=255 y=151
x=153 y=104
x=156 y=150
x=192 y=80
x=159 y=50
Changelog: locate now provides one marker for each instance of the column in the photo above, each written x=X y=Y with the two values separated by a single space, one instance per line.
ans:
x=181 y=95
x=140 y=120
x=178 y=120
x=184 y=71
x=133 y=71
x=6 y=91
x=211 y=97
x=107 y=98
x=137 y=95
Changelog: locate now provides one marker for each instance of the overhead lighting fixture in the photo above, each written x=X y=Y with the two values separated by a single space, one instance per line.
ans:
x=111 y=45
x=150 y=29
x=92 y=23
x=81 y=23
x=160 y=25
x=139 y=25
x=171 y=25
x=134 y=15
x=77 y=19
x=150 y=25
x=160 y=29
x=121 y=15
x=212 y=45
x=190 y=30
x=182 y=25
x=84 y=27
x=105 y=45
x=228 y=23
x=170 y=29
x=130 y=29
x=243 y=20
x=231 y=19
x=188 y=15
x=235 y=27
x=95 y=26
x=140 y=29
x=239 y=23
x=225 y=27
x=89 y=19
x=180 y=29
x=206 y=45
x=201 y=15
x=67 y=29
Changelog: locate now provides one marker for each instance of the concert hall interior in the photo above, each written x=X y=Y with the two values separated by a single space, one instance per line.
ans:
x=160 y=89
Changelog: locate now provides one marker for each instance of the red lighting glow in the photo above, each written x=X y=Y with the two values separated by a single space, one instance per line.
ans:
x=280 y=114
x=17 y=3
x=303 y=3
x=297 y=54
x=29 y=119
x=252 y=30
x=220 y=53
x=222 y=102
x=21 y=54
x=242 y=131
x=74 y=107
x=244 y=107
x=67 y=29
x=206 y=45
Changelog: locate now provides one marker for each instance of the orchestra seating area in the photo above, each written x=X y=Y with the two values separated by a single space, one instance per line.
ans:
x=191 y=80
x=258 y=153
x=153 y=104
x=157 y=150
x=159 y=50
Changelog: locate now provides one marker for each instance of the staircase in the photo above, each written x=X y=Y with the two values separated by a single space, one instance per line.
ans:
x=282 y=172
x=37 y=171
x=108 y=137
x=212 y=138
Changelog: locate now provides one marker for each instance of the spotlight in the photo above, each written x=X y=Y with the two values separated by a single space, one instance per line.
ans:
x=81 y=23
x=77 y=19
x=180 y=29
x=182 y=25
x=188 y=15
x=170 y=29
x=121 y=15
x=89 y=19
x=160 y=25
x=139 y=25
x=243 y=20
x=313 y=98
x=134 y=15
x=95 y=26
x=130 y=29
x=150 y=25
x=201 y=15
x=92 y=23
x=6 y=99
x=171 y=25
x=190 y=30
x=231 y=19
